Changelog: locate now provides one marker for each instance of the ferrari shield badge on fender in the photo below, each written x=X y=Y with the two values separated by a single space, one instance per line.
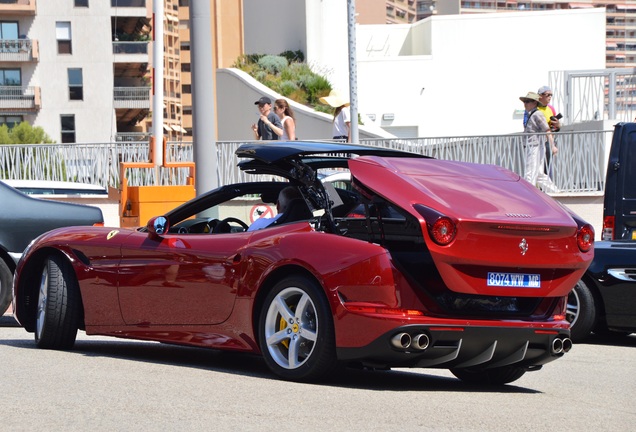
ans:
x=523 y=246
x=112 y=234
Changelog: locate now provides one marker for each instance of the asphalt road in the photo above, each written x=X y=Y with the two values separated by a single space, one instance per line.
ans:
x=108 y=384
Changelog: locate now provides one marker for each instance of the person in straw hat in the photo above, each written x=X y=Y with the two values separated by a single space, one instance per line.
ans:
x=536 y=125
x=341 y=129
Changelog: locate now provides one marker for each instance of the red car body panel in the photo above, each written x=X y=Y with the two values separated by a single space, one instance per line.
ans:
x=494 y=211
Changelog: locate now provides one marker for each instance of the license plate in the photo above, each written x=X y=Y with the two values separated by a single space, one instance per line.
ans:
x=514 y=280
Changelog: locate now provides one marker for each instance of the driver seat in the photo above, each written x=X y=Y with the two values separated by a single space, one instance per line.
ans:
x=297 y=210
x=222 y=227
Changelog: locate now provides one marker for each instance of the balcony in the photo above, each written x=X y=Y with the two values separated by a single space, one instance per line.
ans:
x=134 y=53
x=131 y=97
x=17 y=7
x=19 y=98
x=127 y=3
x=18 y=50
x=130 y=47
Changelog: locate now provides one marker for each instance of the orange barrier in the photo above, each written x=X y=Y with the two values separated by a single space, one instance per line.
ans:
x=137 y=204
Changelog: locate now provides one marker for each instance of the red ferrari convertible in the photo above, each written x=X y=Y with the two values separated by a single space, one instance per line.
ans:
x=442 y=264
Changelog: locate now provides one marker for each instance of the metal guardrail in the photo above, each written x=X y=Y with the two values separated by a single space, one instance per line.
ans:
x=590 y=95
x=579 y=168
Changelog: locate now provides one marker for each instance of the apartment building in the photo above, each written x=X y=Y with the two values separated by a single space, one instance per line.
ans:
x=82 y=69
x=77 y=68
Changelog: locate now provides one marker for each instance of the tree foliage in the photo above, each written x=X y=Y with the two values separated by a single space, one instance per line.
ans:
x=23 y=133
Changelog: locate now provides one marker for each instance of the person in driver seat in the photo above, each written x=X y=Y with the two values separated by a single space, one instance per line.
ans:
x=286 y=196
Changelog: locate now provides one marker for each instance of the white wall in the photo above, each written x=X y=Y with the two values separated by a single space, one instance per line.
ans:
x=236 y=93
x=92 y=51
x=272 y=27
x=478 y=67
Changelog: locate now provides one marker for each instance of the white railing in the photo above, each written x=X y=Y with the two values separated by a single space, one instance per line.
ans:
x=131 y=97
x=578 y=168
x=590 y=95
x=17 y=97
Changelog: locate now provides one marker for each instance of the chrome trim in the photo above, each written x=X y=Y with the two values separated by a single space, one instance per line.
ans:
x=625 y=274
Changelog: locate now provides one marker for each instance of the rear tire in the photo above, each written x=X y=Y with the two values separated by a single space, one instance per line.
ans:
x=59 y=305
x=6 y=286
x=581 y=312
x=496 y=376
x=296 y=331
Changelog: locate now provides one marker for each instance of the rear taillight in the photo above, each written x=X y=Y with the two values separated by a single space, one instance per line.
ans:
x=443 y=231
x=609 y=223
x=441 y=228
x=585 y=237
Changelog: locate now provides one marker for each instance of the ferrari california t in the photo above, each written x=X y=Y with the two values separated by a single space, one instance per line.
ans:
x=450 y=265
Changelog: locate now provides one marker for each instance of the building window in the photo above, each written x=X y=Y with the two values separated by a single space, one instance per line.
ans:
x=11 y=121
x=81 y=3
x=185 y=46
x=63 y=36
x=186 y=89
x=68 y=128
x=185 y=3
x=10 y=77
x=8 y=30
x=187 y=110
x=75 y=84
x=185 y=67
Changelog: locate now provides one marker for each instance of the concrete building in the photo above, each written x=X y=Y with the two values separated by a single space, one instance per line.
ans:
x=620 y=38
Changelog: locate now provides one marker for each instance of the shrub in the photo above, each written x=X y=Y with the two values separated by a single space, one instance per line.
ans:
x=294 y=56
x=288 y=75
x=273 y=64
x=288 y=87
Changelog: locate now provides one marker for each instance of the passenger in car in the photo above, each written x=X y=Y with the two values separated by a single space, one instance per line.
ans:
x=286 y=196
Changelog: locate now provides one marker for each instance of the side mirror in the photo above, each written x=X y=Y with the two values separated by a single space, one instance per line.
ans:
x=158 y=225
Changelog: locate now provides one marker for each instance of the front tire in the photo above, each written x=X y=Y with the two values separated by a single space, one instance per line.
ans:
x=59 y=305
x=495 y=376
x=296 y=333
x=6 y=286
x=581 y=312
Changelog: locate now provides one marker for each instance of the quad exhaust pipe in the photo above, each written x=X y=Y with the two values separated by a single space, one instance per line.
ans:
x=404 y=341
x=561 y=345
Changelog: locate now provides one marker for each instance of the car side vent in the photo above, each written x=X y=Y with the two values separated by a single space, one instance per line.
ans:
x=628 y=275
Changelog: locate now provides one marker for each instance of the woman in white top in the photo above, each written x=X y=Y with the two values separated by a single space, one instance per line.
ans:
x=341 y=129
x=284 y=111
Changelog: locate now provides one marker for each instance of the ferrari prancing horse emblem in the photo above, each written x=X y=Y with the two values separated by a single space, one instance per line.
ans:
x=112 y=234
x=523 y=246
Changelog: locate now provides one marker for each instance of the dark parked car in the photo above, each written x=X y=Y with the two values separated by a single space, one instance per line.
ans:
x=619 y=205
x=452 y=265
x=604 y=300
x=22 y=219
